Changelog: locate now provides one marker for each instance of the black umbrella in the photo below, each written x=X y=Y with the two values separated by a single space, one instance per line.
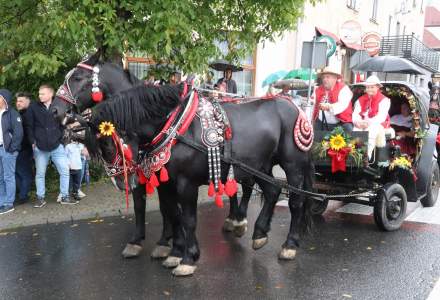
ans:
x=389 y=64
x=223 y=65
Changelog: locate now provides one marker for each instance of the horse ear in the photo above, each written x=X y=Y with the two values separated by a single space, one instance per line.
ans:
x=94 y=59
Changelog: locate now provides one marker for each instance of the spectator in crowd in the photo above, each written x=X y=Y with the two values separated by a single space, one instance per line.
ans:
x=175 y=77
x=74 y=150
x=230 y=86
x=11 y=135
x=24 y=171
x=45 y=134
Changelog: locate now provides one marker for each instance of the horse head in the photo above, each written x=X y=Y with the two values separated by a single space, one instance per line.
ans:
x=117 y=149
x=91 y=81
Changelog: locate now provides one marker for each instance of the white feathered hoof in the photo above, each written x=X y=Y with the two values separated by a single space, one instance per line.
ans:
x=161 y=251
x=171 y=261
x=259 y=243
x=240 y=228
x=184 y=270
x=131 y=250
x=287 y=254
x=228 y=226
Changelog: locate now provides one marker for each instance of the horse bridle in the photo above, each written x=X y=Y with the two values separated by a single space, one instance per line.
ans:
x=120 y=164
x=65 y=92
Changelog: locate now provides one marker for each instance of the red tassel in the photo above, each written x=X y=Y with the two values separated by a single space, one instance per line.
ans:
x=164 y=174
x=153 y=180
x=97 y=96
x=211 y=189
x=231 y=187
x=221 y=188
x=228 y=133
x=219 y=201
x=149 y=188
x=141 y=177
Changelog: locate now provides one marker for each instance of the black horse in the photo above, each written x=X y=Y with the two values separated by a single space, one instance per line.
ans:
x=76 y=98
x=263 y=132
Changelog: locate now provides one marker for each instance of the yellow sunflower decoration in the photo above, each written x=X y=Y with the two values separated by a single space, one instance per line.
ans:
x=337 y=142
x=106 y=128
x=401 y=162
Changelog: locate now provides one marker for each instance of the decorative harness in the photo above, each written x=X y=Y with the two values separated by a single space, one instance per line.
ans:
x=216 y=132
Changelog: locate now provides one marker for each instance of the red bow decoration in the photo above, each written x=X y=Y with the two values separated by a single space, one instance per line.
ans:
x=339 y=158
x=438 y=139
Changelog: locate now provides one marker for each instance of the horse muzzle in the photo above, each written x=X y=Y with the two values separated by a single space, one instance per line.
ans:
x=119 y=182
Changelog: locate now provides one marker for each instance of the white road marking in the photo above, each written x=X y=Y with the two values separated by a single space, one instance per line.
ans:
x=435 y=293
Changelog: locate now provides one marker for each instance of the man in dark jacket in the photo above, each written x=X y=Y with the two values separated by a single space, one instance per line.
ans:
x=11 y=136
x=45 y=134
x=229 y=85
x=23 y=172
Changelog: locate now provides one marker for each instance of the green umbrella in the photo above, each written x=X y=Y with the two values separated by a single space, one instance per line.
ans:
x=274 y=77
x=301 y=73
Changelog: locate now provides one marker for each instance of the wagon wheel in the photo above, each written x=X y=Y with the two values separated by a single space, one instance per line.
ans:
x=433 y=186
x=390 y=207
x=318 y=207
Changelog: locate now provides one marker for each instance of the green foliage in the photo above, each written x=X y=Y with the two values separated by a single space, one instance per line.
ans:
x=42 y=39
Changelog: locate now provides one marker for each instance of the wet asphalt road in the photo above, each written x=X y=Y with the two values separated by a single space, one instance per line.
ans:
x=345 y=258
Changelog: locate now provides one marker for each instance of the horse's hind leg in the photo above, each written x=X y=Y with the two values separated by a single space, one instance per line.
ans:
x=134 y=247
x=295 y=177
x=262 y=225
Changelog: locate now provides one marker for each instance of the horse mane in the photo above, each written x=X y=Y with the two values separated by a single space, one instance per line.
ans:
x=131 y=107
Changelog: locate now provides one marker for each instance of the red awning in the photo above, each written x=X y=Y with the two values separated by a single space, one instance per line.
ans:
x=325 y=32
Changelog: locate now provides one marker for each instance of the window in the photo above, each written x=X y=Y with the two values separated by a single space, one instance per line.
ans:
x=374 y=14
x=354 y=4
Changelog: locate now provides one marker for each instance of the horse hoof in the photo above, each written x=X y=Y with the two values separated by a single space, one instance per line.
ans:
x=171 y=261
x=287 y=254
x=228 y=226
x=161 y=251
x=240 y=228
x=184 y=270
x=131 y=250
x=259 y=243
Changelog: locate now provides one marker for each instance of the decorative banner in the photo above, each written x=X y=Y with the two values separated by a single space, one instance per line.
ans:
x=331 y=44
x=371 y=42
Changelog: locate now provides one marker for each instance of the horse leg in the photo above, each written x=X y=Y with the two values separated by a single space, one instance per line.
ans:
x=163 y=249
x=228 y=225
x=262 y=225
x=134 y=247
x=188 y=193
x=174 y=213
x=295 y=177
x=240 y=223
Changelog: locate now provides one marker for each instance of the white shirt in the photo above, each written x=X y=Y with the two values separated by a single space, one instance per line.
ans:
x=401 y=120
x=74 y=155
x=379 y=118
x=1 y=128
x=344 y=99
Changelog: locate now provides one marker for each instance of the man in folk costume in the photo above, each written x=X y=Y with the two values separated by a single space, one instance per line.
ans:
x=333 y=105
x=371 y=114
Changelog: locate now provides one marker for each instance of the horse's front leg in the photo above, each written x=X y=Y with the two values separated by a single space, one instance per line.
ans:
x=163 y=249
x=188 y=193
x=240 y=223
x=134 y=247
